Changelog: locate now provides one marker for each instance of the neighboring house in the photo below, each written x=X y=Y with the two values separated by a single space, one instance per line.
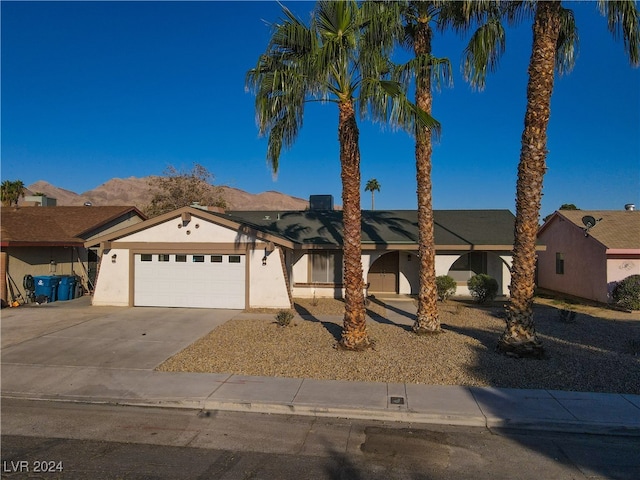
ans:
x=587 y=262
x=197 y=258
x=50 y=241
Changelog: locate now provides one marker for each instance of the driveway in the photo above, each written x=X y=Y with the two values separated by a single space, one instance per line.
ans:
x=76 y=334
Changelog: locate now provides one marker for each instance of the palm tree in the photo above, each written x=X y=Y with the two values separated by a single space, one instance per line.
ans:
x=327 y=62
x=554 y=44
x=410 y=24
x=11 y=192
x=5 y=192
x=372 y=186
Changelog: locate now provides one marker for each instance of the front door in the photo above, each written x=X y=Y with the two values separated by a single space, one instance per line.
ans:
x=383 y=274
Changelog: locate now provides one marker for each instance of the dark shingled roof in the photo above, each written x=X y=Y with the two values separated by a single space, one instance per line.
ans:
x=453 y=228
x=64 y=226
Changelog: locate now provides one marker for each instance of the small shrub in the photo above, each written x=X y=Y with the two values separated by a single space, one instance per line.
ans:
x=627 y=293
x=483 y=287
x=446 y=287
x=284 y=317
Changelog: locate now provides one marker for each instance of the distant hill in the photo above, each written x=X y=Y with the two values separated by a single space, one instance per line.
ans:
x=135 y=191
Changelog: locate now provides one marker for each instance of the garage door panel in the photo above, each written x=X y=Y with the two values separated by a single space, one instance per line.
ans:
x=204 y=284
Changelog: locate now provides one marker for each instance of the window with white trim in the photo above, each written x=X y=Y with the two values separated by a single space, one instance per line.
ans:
x=325 y=267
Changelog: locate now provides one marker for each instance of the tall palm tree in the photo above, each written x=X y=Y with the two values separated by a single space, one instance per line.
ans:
x=554 y=44
x=411 y=24
x=327 y=62
x=372 y=186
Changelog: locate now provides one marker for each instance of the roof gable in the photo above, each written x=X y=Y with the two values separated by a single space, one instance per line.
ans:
x=166 y=227
x=615 y=229
x=188 y=228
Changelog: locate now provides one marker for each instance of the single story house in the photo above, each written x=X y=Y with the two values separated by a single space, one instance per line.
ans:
x=51 y=241
x=589 y=251
x=193 y=257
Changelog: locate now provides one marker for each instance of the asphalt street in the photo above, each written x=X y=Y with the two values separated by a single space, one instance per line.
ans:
x=81 y=441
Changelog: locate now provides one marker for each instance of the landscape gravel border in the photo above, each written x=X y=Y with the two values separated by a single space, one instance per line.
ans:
x=595 y=350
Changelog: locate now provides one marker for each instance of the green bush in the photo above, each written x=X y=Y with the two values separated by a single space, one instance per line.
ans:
x=446 y=287
x=627 y=293
x=483 y=287
x=284 y=317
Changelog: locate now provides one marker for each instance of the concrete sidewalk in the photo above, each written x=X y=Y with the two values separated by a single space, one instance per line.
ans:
x=86 y=354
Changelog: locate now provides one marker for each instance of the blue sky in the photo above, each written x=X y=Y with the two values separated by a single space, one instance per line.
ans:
x=97 y=90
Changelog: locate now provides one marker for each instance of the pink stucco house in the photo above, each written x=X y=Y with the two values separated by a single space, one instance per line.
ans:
x=586 y=258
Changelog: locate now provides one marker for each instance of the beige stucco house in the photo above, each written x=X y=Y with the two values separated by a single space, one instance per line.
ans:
x=194 y=257
x=50 y=240
x=589 y=251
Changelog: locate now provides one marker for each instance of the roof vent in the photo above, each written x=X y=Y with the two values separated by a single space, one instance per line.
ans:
x=630 y=207
x=321 y=202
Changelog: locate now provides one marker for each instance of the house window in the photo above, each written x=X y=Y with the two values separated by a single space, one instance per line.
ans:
x=198 y=258
x=234 y=258
x=181 y=258
x=146 y=257
x=559 y=263
x=216 y=258
x=468 y=265
x=326 y=267
x=163 y=257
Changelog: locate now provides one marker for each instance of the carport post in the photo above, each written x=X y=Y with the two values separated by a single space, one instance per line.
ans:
x=3 y=276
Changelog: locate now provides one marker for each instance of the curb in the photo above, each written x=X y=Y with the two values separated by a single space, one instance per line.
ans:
x=407 y=416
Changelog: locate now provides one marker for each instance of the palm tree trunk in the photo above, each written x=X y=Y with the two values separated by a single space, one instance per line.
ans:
x=520 y=337
x=427 y=320
x=354 y=331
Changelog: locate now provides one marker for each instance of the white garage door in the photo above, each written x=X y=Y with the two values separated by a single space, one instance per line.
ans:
x=190 y=280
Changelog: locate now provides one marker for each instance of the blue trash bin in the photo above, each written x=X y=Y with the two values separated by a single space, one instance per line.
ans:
x=47 y=286
x=66 y=287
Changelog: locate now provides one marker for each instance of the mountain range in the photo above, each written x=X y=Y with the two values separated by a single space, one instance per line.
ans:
x=135 y=191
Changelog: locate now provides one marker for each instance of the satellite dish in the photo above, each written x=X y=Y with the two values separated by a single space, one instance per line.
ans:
x=588 y=221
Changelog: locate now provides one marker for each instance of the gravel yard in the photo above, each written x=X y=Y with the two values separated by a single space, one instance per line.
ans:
x=598 y=350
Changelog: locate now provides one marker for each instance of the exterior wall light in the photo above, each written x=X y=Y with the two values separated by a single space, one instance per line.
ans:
x=113 y=258
x=264 y=260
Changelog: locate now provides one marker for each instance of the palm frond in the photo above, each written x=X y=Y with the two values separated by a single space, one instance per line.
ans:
x=483 y=52
x=383 y=22
x=462 y=16
x=439 y=70
x=623 y=20
x=515 y=12
x=567 y=46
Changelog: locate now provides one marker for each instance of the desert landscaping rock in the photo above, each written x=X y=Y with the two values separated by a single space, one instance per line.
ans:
x=590 y=354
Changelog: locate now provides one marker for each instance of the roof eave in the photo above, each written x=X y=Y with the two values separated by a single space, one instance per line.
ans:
x=623 y=251
x=64 y=243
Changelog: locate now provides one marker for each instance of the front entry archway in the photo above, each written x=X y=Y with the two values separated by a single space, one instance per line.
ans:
x=383 y=274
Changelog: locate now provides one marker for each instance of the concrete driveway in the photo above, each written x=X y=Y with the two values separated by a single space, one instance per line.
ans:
x=74 y=333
